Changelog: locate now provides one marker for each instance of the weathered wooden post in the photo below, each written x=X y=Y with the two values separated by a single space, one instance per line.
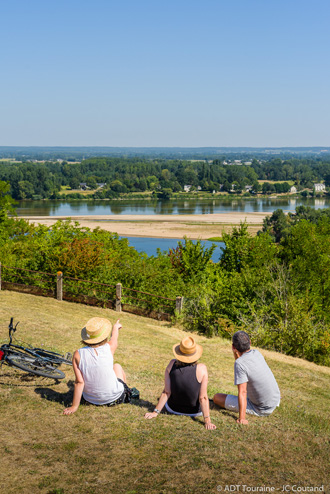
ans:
x=0 y=275
x=59 y=286
x=118 y=297
x=179 y=304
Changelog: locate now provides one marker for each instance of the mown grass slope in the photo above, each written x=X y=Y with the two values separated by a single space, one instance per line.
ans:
x=115 y=450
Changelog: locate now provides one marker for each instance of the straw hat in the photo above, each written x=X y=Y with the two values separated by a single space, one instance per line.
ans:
x=187 y=350
x=96 y=330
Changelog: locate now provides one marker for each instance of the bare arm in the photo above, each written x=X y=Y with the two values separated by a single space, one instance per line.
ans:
x=114 y=337
x=242 y=402
x=203 y=398
x=165 y=394
x=78 y=385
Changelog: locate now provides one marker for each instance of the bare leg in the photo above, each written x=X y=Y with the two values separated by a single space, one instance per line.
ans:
x=220 y=399
x=119 y=371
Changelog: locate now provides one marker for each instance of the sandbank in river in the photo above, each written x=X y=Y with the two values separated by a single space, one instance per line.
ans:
x=194 y=226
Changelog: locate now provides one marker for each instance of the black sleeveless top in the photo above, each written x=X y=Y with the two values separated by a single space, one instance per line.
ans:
x=184 y=389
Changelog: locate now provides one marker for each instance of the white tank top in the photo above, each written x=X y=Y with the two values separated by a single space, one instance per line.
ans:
x=101 y=383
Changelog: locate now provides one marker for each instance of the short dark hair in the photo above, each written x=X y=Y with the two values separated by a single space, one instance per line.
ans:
x=241 y=341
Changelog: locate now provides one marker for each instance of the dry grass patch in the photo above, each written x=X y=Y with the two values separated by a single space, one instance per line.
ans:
x=65 y=192
x=114 y=450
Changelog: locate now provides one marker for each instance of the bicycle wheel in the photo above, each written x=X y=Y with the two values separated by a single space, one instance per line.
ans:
x=34 y=366
x=53 y=357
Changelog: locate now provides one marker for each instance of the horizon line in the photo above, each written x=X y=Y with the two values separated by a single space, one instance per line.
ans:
x=167 y=147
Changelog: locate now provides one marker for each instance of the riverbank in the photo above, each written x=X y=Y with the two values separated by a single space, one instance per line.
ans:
x=197 y=226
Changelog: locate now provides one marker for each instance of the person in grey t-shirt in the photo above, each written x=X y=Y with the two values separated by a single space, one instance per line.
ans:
x=258 y=392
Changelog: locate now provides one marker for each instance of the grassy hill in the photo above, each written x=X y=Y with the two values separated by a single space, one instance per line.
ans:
x=115 y=450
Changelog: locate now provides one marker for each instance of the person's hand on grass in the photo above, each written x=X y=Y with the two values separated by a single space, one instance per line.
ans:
x=210 y=427
x=151 y=415
x=242 y=421
x=70 y=410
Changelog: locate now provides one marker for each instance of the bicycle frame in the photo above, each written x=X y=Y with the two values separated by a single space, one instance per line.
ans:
x=27 y=359
x=54 y=360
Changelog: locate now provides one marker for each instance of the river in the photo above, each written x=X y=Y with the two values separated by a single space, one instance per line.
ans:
x=176 y=206
x=150 y=245
x=173 y=207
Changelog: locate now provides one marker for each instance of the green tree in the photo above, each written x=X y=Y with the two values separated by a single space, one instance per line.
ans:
x=278 y=225
x=26 y=189
x=6 y=201
x=164 y=193
x=74 y=183
x=191 y=259
x=91 y=182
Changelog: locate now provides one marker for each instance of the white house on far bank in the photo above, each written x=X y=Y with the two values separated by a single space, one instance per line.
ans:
x=187 y=188
x=293 y=190
x=319 y=187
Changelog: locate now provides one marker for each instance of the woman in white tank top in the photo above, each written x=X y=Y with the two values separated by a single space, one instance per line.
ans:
x=98 y=380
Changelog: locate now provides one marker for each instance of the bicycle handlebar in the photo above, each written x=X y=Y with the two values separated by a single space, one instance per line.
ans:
x=12 y=329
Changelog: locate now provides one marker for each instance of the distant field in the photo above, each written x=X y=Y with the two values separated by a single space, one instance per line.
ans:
x=290 y=182
x=66 y=191
x=10 y=160
x=115 y=450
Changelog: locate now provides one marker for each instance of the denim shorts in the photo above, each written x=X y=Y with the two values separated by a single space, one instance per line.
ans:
x=169 y=410
x=231 y=404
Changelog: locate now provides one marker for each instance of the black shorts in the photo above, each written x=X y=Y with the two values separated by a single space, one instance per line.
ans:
x=125 y=397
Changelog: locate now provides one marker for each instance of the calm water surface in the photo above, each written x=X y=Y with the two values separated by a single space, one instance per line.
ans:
x=140 y=207
x=150 y=245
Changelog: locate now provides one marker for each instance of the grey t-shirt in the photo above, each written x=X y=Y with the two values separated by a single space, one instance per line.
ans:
x=262 y=389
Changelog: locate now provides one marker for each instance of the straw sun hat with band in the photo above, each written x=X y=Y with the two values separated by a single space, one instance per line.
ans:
x=96 y=330
x=187 y=350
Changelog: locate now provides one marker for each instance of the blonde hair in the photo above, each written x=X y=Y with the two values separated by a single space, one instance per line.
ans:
x=95 y=345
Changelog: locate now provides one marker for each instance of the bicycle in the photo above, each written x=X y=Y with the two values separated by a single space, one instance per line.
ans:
x=32 y=360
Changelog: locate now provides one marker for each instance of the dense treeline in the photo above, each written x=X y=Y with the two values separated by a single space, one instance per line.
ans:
x=275 y=285
x=120 y=175
x=72 y=153
x=279 y=225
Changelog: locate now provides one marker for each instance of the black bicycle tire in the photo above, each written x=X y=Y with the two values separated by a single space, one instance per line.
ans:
x=33 y=366
x=56 y=358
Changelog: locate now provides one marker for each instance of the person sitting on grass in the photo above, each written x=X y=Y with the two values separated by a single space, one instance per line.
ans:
x=98 y=380
x=258 y=392
x=185 y=391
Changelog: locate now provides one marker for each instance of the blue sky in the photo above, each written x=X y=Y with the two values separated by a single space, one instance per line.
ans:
x=156 y=73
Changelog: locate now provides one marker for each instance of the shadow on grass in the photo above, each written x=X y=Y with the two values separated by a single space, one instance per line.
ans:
x=15 y=379
x=223 y=411
x=66 y=397
x=226 y=413
x=55 y=396
x=197 y=420
x=143 y=404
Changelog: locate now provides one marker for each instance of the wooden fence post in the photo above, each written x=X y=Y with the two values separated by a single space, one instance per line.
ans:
x=59 y=286
x=0 y=275
x=179 y=304
x=118 y=297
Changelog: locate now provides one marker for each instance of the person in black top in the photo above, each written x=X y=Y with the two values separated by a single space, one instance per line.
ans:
x=185 y=391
